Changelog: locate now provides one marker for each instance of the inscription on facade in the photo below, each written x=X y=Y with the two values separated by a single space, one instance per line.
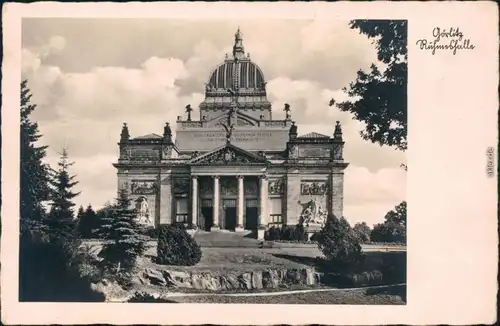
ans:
x=143 y=187
x=313 y=188
x=242 y=136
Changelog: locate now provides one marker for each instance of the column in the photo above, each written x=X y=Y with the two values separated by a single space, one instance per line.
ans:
x=241 y=204
x=216 y=203
x=263 y=201
x=194 y=201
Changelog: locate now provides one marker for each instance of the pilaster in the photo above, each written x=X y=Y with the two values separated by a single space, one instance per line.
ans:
x=292 y=198
x=336 y=193
x=194 y=201
x=166 y=198
x=263 y=218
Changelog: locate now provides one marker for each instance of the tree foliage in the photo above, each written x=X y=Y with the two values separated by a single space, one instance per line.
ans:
x=363 y=232
x=88 y=222
x=125 y=236
x=48 y=266
x=61 y=192
x=393 y=229
x=34 y=174
x=379 y=97
x=338 y=242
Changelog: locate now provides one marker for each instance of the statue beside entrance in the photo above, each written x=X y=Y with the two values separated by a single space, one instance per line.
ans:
x=312 y=213
x=142 y=208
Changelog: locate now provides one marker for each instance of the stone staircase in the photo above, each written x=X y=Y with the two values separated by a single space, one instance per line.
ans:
x=226 y=239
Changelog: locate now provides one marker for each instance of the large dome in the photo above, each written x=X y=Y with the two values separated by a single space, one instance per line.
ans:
x=236 y=81
x=237 y=72
x=240 y=74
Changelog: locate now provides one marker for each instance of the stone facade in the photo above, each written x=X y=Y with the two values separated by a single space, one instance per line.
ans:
x=235 y=167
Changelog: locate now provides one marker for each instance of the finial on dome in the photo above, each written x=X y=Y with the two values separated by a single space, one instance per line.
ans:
x=238 y=49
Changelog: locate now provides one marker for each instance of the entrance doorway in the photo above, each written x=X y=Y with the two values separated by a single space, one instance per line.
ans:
x=230 y=218
x=207 y=218
x=229 y=214
x=252 y=215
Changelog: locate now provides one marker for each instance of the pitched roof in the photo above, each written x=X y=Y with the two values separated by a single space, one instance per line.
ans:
x=313 y=135
x=149 y=136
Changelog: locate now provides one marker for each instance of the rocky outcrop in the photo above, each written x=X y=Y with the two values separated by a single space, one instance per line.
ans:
x=264 y=279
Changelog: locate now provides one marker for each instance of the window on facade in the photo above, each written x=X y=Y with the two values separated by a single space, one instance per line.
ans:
x=275 y=211
x=181 y=215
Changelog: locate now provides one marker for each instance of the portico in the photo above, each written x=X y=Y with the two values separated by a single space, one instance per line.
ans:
x=232 y=208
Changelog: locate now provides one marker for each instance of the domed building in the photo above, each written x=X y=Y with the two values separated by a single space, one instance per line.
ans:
x=234 y=167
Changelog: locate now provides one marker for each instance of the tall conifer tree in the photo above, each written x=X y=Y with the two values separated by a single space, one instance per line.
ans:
x=34 y=175
x=88 y=222
x=125 y=235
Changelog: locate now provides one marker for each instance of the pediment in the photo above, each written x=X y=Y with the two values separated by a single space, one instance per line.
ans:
x=228 y=155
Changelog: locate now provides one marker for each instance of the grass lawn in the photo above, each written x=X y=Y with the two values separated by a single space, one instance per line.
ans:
x=245 y=259
x=380 y=296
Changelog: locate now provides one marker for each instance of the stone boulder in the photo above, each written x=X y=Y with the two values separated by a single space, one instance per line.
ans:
x=178 y=279
x=308 y=276
x=270 y=279
x=257 y=280
x=205 y=281
x=154 y=276
x=246 y=281
x=229 y=282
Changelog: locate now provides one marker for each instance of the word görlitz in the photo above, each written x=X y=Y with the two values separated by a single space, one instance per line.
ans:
x=451 y=39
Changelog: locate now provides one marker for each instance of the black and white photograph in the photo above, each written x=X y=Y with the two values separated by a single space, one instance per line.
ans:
x=214 y=158
x=231 y=160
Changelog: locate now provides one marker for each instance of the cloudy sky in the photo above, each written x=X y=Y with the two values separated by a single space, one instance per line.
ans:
x=88 y=76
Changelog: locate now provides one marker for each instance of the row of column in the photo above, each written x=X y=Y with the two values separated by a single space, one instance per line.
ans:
x=263 y=195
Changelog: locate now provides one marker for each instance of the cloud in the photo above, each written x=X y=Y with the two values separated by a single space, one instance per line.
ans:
x=368 y=196
x=153 y=68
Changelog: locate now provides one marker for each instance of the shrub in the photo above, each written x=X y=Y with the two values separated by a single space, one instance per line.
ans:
x=339 y=243
x=177 y=247
x=286 y=233
x=146 y=297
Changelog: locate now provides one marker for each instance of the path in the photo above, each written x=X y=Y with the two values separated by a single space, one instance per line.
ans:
x=263 y=294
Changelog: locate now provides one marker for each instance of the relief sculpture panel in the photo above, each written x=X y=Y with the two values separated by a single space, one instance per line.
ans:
x=181 y=186
x=143 y=187
x=313 y=188
x=276 y=187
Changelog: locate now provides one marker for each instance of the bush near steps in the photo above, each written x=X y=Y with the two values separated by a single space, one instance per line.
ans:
x=177 y=247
